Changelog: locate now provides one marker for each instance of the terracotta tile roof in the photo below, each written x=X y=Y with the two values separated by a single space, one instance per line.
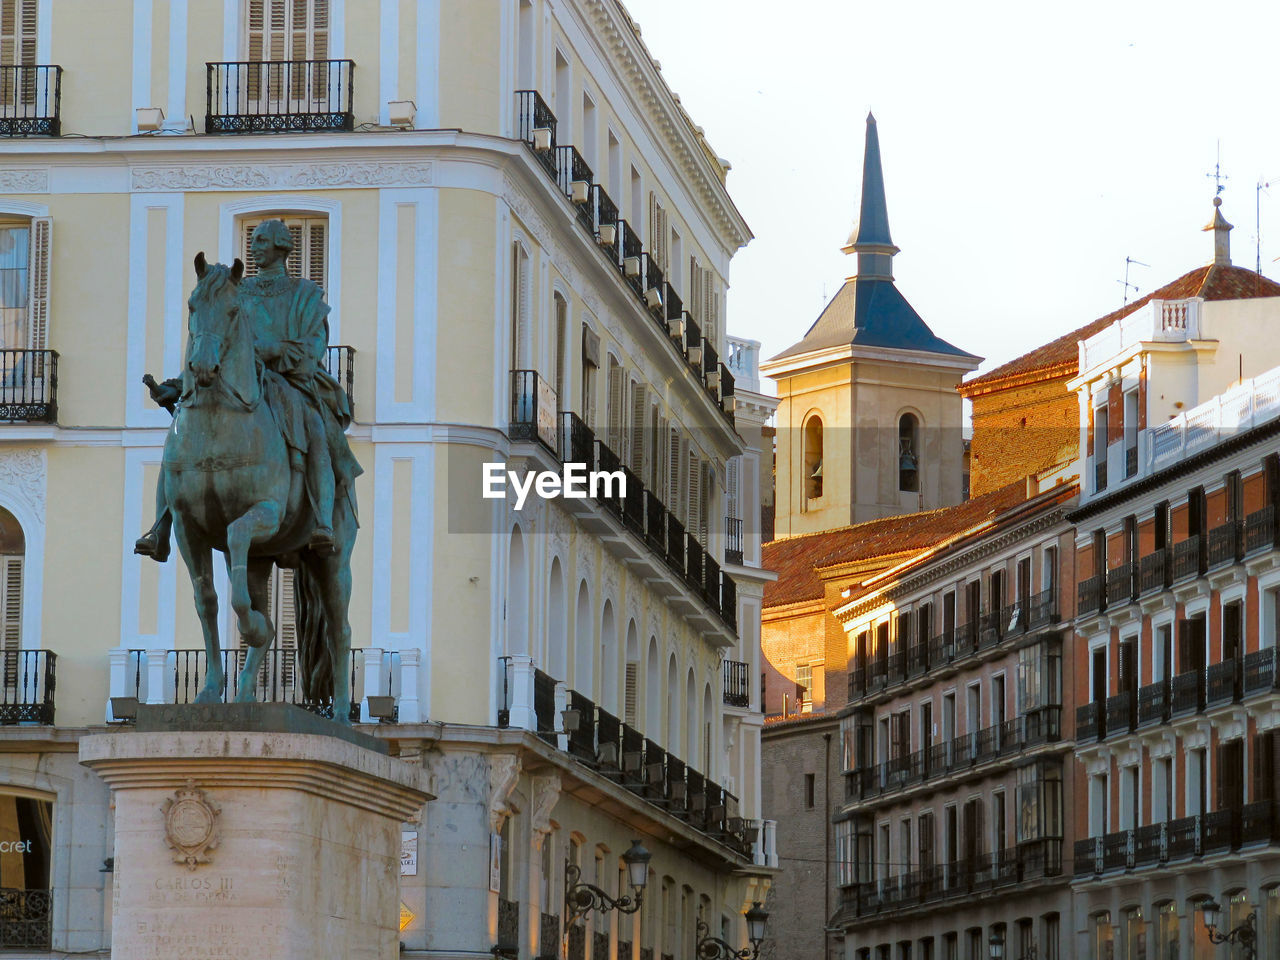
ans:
x=797 y=560
x=1062 y=355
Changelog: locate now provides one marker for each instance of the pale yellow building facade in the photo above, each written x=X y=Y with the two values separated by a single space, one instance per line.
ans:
x=525 y=243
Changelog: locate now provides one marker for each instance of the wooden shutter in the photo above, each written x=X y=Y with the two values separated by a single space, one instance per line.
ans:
x=673 y=473
x=709 y=307
x=11 y=603
x=639 y=406
x=629 y=697
x=310 y=246
x=695 y=287
x=615 y=407
x=39 y=268
x=317 y=248
x=18 y=32
x=694 y=523
x=731 y=483
x=284 y=612
x=658 y=232
x=1185 y=658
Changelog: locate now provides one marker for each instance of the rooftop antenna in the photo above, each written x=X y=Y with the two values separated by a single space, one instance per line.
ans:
x=1257 y=218
x=1128 y=261
x=1217 y=175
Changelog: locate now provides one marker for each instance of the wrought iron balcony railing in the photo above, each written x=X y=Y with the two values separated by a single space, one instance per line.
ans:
x=1122 y=713
x=29 y=386
x=26 y=919
x=1120 y=584
x=279 y=96
x=1155 y=701
x=340 y=361
x=737 y=683
x=1153 y=571
x=575 y=178
x=533 y=409
x=1091 y=721
x=30 y=100
x=1090 y=596
x=1260 y=529
x=27 y=686
x=1224 y=544
x=732 y=540
x=536 y=126
x=1188 y=558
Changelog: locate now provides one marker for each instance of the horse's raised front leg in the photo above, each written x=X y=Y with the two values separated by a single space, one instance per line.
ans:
x=199 y=561
x=259 y=522
x=260 y=599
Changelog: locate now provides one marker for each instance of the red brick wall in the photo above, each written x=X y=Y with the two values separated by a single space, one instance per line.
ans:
x=1021 y=431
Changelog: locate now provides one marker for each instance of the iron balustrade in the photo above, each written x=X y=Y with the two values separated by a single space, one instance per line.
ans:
x=577 y=942
x=606 y=216
x=1117 y=849
x=989 y=627
x=675 y=544
x=577 y=441
x=1089 y=595
x=1260 y=529
x=1224 y=544
x=575 y=178
x=728 y=609
x=966 y=640
x=672 y=305
x=857 y=683
x=710 y=366
x=599 y=944
x=917 y=659
x=1122 y=713
x=633 y=503
x=694 y=555
x=340 y=362
x=508 y=944
x=1153 y=571
x=279 y=96
x=549 y=935
x=1260 y=671
x=279 y=679
x=1259 y=823
x=544 y=706
x=1222 y=682
x=1182 y=838
x=692 y=334
x=1219 y=831
x=26 y=919
x=29 y=386
x=624 y=950
x=1043 y=609
x=1029 y=861
x=30 y=100
x=711 y=580
x=1013 y=618
x=737 y=683
x=1154 y=703
x=1148 y=844
x=655 y=522
x=1087 y=856
x=536 y=126
x=1120 y=584
x=1188 y=693
x=1188 y=558
x=1091 y=721
x=582 y=738
x=733 y=540
x=632 y=263
x=969 y=750
x=27 y=686
x=608 y=461
x=533 y=409
x=655 y=772
x=1100 y=476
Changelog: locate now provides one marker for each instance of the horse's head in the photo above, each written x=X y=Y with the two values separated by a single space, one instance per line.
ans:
x=214 y=307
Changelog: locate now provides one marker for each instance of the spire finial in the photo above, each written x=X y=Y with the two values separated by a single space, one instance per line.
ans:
x=1221 y=235
x=870 y=239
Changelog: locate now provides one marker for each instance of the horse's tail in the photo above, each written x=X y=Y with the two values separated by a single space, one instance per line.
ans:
x=315 y=659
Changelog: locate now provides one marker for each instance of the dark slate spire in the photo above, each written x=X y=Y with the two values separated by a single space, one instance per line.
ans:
x=871 y=240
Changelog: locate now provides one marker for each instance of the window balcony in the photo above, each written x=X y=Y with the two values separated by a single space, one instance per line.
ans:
x=1260 y=671
x=1043 y=609
x=1155 y=702
x=536 y=126
x=1090 y=595
x=27 y=686
x=601 y=742
x=1224 y=544
x=28 y=386
x=1222 y=683
x=26 y=919
x=1091 y=721
x=737 y=684
x=508 y=942
x=279 y=96
x=1120 y=584
x=1153 y=572
x=1260 y=530
x=30 y=100
x=732 y=540
x=576 y=180
x=1156 y=844
x=340 y=361
x=1187 y=693
x=533 y=409
x=1122 y=713
x=1188 y=558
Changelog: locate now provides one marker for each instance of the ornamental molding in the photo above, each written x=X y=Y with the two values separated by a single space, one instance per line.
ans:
x=458 y=777
x=504 y=774
x=546 y=792
x=24 y=180
x=190 y=825
x=22 y=479
x=537 y=227
x=946 y=568
x=664 y=109
x=282 y=176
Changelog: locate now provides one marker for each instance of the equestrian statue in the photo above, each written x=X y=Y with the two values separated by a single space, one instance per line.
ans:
x=257 y=465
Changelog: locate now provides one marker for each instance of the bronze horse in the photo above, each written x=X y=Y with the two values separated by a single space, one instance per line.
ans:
x=227 y=477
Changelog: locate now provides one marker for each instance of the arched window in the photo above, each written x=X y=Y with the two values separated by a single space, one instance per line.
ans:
x=560 y=360
x=556 y=656
x=583 y=644
x=608 y=659
x=673 y=707
x=517 y=609
x=909 y=453
x=813 y=458
x=693 y=733
x=652 y=692
x=24 y=292
x=631 y=684
x=520 y=332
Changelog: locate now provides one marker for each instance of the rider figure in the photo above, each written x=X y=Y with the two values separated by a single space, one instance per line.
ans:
x=291 y=330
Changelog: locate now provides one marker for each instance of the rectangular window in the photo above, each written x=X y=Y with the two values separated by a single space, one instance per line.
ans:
x=804 y=685
x=809 y=791
x=24 y=287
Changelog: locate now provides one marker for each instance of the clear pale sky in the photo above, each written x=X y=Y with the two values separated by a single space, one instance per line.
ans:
x=1027 y=149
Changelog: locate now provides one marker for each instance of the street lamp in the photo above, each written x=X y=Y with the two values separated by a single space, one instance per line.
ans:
x=996 y=943
x=581 y=898
x=1245 y=935
x=713 y=948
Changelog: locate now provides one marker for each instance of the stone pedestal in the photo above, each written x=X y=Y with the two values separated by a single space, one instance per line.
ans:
x=238 y=837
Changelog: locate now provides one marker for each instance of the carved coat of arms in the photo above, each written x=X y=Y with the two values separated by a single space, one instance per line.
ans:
x=190 y=825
